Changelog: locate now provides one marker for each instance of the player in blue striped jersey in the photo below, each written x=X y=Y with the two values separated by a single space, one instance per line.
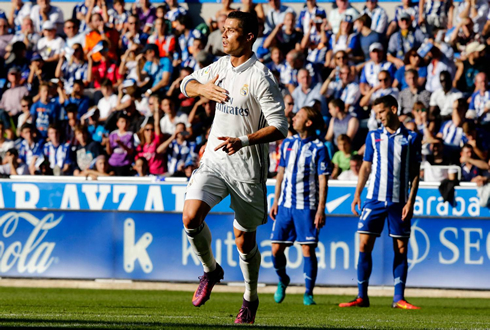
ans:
x=392 y=157
x=300 y=196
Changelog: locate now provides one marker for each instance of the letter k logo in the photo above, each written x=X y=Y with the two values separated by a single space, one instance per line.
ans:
x=133 y=252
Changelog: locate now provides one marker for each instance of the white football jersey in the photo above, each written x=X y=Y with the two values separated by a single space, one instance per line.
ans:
x=255 y=102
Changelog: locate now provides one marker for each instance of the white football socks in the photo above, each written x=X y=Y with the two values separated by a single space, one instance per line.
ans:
x=250 y=264
x=200 y=240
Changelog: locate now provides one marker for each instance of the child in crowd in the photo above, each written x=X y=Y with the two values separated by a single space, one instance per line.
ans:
x=341 y=159
x=121 y=147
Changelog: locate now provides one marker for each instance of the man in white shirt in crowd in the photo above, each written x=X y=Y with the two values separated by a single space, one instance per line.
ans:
x=44 y=12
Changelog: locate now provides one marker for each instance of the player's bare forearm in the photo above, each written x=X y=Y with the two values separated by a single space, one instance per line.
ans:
x=414 y=187
x=323 y=192
x=265 y=135
x=279 y=178
x=209 y=90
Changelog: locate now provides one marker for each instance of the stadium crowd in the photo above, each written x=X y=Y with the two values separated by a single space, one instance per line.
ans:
x=98 y=93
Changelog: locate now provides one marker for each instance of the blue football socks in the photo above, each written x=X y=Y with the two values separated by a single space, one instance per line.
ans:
x=364 y=268
x=310 y=270
x=400 y=270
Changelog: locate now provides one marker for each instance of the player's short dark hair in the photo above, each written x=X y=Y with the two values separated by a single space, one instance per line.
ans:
x=388 y=101
x=338 y=103
x=248 y=22
x=72 y=107
x=315 y=116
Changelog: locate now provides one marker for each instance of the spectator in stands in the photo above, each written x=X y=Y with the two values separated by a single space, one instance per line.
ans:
x=174 y=11
x=76 y=97
x=336 y=15
x=352 y=174
x=109 y=100
x=121 y=147
x=404 y=40
x=420 y=118
x=412 y=60
x=165 y=42
x=452 y=130
x=345 y=40
x=50 y=46
x=470 y=166
x=468 y=68
x=105 y=68
x=157 y=69
x=11 y=98
x=43 y=12
x=366 y=35
x=307 y=92
x=371 y=70
x=276 y=15
x=201 y=117
x=315 y=39
x=44 y=112
x=5 y=37
x=172 y=117
x=73 y=35
x=186 y=34
x=99 y=168
x=215 y=43
x=284 y=35
x=345 y=89
x=438 y=63
x=179 y=149
x=480 y=100
x=11 y=164
x=175 y=93
x=341 y=122
x=341 y=159
x=146 y=14
x=70 y=124
x=150 y=138
x=18 y=12
x=5 y=143
x=430 y=171
x=30 y=148
x=108 y=37
x=379 y=18
x=462 y=35
x=97 y=131
x=25 y=116
x=295 y=60
x=118 y=17
x=72 y=69
x=436 y=14
x=407 y=7
x=384 y=88
x=413 y=93
x=442 y=100
x=27 y=35
x=141 y=167
x=477 y=138
x=133 y=36
x=57 y=153
x=84 y=152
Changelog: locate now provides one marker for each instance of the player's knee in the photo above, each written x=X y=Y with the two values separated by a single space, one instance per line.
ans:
x=191 y=219
x=308 y=250
x=277 y=249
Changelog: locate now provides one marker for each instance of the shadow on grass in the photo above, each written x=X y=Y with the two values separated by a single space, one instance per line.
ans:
x=81 y=324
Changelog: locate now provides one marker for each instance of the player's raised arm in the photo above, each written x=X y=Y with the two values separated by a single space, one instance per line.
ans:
x=193 y=88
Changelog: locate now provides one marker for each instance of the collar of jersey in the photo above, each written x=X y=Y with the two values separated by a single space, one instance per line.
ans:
x=400 y=130
x=244 y=66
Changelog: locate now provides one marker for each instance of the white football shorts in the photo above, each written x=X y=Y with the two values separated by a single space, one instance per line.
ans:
x=248 y=200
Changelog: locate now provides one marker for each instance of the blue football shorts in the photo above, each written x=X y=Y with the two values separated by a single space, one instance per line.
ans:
x=292 y=225
x=373 y=217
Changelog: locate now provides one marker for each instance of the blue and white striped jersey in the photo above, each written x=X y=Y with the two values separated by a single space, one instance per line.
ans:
x=303 y=161
x=391 y=156
x=185 y=42
x=173 y=14
x=452 y=134
x=178 y=154
x=57 y=156
x=479 y=103
x=371 y=70
x=27 y=152
x=305 y=16
x=412 y=11
x=379 y=19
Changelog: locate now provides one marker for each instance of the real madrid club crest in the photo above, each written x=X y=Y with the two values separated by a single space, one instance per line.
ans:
x=244 y=90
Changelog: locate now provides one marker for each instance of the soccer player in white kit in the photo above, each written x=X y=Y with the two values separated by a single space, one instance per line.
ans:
x=249 y=114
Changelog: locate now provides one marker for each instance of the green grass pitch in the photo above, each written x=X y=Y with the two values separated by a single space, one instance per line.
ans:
x=77 y=308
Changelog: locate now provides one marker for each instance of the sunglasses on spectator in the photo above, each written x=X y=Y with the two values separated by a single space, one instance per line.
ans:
x=290 y=103
x=149 y=129
x=339 y=57
x=384 y=79
x=24 y=105
x=131 y=23
x=70 y=27
x=421 y=110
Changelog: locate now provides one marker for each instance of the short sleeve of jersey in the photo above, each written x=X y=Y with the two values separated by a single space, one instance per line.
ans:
x=369 y=150
x=323 y=161
x=416 y=156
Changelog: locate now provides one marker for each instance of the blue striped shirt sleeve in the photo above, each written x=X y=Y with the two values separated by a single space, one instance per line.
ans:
x=369 y=151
